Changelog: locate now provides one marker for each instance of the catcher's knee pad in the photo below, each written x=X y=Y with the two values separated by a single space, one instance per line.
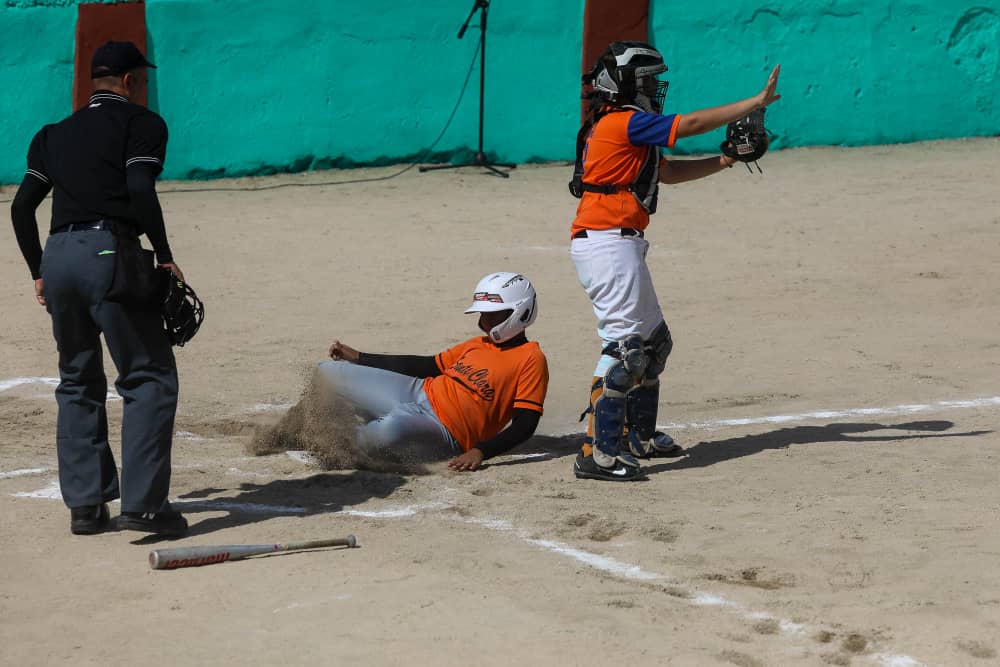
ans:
x=657 y=349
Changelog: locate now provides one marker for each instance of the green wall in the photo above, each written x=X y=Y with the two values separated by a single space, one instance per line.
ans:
x=249 y=87
x=252 y=87
x=36 y=76
x=853 y=72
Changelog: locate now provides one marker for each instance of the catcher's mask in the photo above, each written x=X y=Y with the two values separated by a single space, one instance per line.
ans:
x=183 y=312
x=625 y=75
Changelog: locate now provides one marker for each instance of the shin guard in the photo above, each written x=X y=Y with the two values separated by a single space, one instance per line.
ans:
x=596 y=389
x=641 y=403
x=609 y=418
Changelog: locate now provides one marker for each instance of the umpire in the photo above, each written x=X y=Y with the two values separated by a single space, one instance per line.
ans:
x=102 y=163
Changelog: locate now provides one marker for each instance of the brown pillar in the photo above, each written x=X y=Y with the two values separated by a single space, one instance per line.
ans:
x=606 y=21
x=97 y=23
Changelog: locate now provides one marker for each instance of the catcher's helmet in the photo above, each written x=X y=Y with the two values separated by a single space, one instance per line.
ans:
x=506 y=291
x=625 y=75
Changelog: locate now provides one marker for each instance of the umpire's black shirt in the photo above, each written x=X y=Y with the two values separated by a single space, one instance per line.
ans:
x=102 y=163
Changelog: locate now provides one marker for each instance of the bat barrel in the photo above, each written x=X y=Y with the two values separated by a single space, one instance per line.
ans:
x=168 y=559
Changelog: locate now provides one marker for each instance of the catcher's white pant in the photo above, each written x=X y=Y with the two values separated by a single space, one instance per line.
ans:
x=400 y=422
x=612 y=269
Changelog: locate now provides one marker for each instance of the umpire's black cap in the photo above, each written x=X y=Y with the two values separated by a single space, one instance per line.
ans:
x=117 y=58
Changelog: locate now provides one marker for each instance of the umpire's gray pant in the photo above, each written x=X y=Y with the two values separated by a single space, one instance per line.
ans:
x=77 y=269
x=400 y=422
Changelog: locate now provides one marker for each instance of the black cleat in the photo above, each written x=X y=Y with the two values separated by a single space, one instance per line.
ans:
x=586 y=468
x=89 y=520
x=169 y=523
x=663 y=446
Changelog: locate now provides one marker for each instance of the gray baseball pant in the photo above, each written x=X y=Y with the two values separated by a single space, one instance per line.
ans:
x=400 y=423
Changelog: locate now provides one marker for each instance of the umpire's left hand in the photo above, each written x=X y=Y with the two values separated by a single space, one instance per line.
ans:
x=39 y=297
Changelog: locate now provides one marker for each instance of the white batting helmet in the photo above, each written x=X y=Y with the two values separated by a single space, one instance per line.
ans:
x=506 y=291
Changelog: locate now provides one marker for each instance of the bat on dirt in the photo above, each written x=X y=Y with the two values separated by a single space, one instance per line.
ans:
x=169 y=559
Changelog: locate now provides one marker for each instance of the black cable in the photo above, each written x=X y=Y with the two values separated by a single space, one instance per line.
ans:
x=411 y=165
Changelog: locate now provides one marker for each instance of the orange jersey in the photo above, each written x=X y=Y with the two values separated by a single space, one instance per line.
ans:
x=482 y=383
x=614 y=155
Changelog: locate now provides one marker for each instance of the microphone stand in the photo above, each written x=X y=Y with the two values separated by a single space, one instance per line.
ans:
x=480 y=158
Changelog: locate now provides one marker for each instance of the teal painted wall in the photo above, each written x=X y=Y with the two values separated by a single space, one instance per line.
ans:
x=853 y=71
x=36 y=76
x=250 y=87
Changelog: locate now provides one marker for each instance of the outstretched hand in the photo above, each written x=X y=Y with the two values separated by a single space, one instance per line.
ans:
x=470 y=460
x=341 y=352
x=769 y=94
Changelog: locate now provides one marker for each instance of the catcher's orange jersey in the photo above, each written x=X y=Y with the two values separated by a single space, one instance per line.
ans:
x=481 y=384
x=613 y=155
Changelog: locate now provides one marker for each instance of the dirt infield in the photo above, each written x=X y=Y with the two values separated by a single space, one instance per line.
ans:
x=834 y=380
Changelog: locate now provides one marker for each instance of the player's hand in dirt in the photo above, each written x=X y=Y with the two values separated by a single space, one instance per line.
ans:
x=341 y=352
x=470 y=460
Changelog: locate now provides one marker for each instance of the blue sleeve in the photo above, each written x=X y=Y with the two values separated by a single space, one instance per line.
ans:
x=650 y=129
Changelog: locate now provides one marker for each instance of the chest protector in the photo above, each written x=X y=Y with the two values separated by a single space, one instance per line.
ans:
x=644 y=188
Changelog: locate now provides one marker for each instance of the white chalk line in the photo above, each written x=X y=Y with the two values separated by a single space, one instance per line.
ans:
x=625 y=570
x=232 y=506
x=268 y=407
x=23 y=471
x=613 y=566
x=896 y=410
x=597 y=561
x=50 y=492
x=11 y=383
x=302 y=457
x=394 y=513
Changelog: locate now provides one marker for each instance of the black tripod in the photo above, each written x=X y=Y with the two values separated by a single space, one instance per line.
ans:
x=480 y=159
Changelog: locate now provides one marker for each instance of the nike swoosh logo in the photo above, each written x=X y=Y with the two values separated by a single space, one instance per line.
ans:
x=106 y=252
x=621 y=472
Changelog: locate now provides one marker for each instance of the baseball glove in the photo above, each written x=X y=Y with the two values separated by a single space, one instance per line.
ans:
x=182 y=310
x=746 y=138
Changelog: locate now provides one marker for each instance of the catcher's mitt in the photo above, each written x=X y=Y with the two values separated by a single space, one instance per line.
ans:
x=746 y=138
x=182 y=310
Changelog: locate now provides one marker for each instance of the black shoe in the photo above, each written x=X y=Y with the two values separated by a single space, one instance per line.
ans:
x=586 y=468
x=89 y=520
x=663 y=446
x=170 y=523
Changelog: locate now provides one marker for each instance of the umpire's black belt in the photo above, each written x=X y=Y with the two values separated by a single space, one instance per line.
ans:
x=122 y=229
x=625 y=231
